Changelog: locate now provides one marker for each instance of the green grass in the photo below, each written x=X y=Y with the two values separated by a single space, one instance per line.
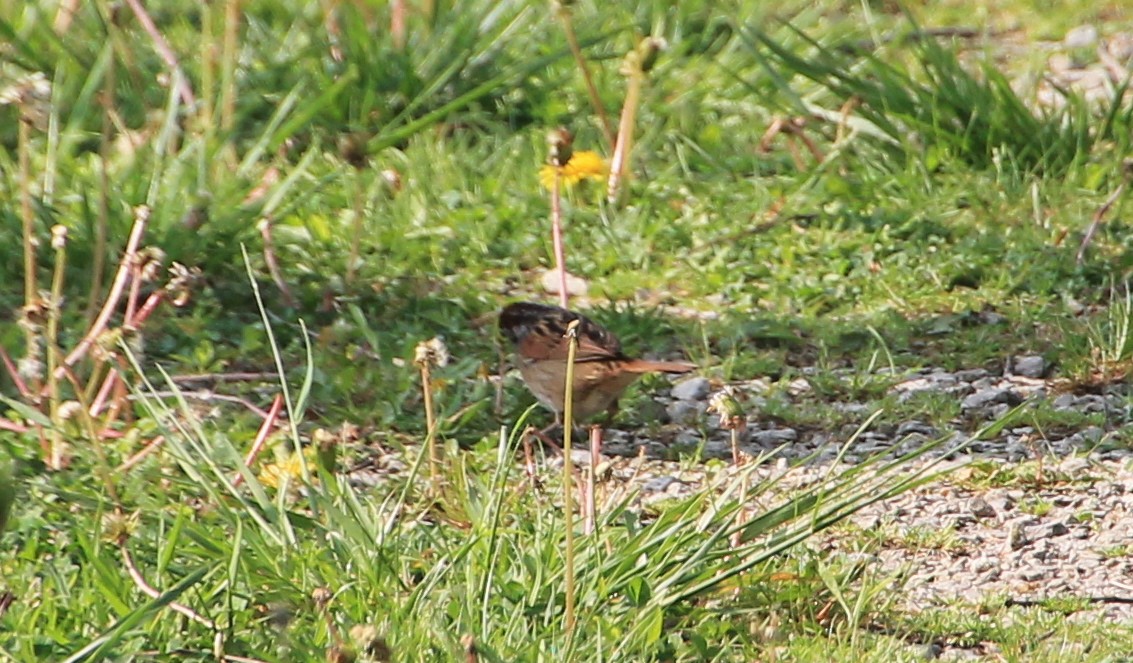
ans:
x=939 y=230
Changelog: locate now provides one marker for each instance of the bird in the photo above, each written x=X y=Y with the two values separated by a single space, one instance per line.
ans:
x=601 y=370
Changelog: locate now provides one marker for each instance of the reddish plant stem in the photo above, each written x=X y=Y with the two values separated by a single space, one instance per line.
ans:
x=15 y=374
x=141 y=217
x=13 y=426
x=166 y=53
x=273 y=267
x=591 y=89
x=261 y=436
x=590 y=522
x=103 y=392
x=149 y=591
x=151 y=446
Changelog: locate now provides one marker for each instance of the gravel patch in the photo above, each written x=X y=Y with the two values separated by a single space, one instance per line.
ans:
x=1069 y=535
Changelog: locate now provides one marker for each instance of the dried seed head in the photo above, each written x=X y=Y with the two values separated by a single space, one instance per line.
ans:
x=392 y=179
x=34 y=314
x=341 y=654
x=106 y=345
x=726 y=404
x=117 y=527
x=141 y=213
x=32 y=93
x=30 y=368
x=432 y=352
x=181 y=282
x=366 y=638
x=148 y=262
x=58 y=237
x=471 y=654
x=69 y=410
x=321 y=596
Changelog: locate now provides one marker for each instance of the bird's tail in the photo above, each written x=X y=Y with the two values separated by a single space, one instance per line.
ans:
x=648 y=366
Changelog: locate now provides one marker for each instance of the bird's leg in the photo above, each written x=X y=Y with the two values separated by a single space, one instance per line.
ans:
x=529 y=458
x=544 y=436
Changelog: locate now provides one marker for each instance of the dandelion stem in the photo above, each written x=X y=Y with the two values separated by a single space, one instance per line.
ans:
x=557 y=237
x=53 y=312
x=591 y=90
x=356 y=237
x=180 y=81
x=30 y=286
x=636 y=66
x=568 y=476
x=430 y=427
x=103 y=221
x=619 y=162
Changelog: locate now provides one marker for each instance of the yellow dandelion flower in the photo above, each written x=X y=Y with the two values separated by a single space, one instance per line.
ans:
x=584 y=165
x=291 y=468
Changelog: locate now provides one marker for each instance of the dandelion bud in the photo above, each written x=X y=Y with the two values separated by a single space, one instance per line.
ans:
x=326 y=449
x=353 y=150
x=648 y=50
x=559 y=142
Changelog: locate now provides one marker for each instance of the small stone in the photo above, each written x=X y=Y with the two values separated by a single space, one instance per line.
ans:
x=992 y=318
x=984 y=564
x=1093 y=434
x=852 y=408
x=1016 y=537
x=773 y=438
x=914 y=426
x=998 y=411
x=1082 y=36
x=692 y=389
x=1064 y=401
x=984 y=398
x=1054 y=529
x=915 y=386
x=685 y=412
x=575 y=285
x=657 y=484
x=971 y=374
x=1030 y=366
x=1074 y=465
x=980 y=508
